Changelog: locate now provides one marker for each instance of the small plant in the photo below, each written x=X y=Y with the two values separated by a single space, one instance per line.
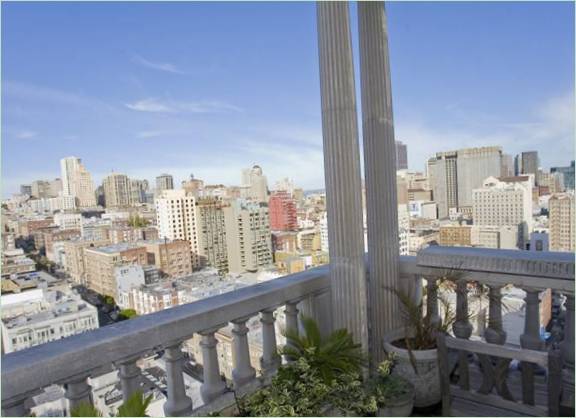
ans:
x=127 y=314
x=337 y=353
x=135 y=406
x=386 y=387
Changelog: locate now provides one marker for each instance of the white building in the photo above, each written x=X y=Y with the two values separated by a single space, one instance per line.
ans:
x=177 y=220
x=39 y=316
x=256 y=182
x=505 y=202
x=128 y=277
x=68 y=220
x=77 y=182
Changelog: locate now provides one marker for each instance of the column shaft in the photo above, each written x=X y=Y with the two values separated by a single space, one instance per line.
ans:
x=342 y=171
x=380 y=175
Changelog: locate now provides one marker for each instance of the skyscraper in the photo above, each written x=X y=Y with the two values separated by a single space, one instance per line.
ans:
x=561 y=223
x=176 y=219
x=568 y=174
x=507 y=169
x=530 y=163
x=138 y=189
x=164 y=182
x=401 y=156
x=454 y=174
x=77 y=182
x=117 y=192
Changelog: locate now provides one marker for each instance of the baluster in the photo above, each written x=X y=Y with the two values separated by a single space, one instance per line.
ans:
x=494 y=375
x=15 y=407
x=462 y=329
x=243 y=371
x=213 y=385
x=129 y=374
x=432 y=301
x=530 y=340
x=77 y=391
x=567 y=348
x=177 y=404
x=495 y=333
x=291 y=313
x=270 y=359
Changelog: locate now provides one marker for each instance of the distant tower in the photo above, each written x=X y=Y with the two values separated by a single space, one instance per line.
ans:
x=401 y=156
x=164 y=182
x=77 y=182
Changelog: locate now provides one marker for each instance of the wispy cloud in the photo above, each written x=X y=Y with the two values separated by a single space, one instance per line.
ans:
x=160 y=66
x=170 y=106
x=26 y=134
x=550 y=123
x=150 y=134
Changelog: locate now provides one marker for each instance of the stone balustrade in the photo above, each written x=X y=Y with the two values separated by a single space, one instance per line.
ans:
x=71 y=361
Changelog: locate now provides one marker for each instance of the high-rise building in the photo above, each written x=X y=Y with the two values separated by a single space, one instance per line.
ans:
x=444 y=181
x=282 y=209
x=248 y=238
x=117 y=191
x=212 y=233
x=26 y=189
x=561 y=222
x=505 y=202
x=474 y=165
x=256 y=184
x=567 y=173
x=530 y=163
x=164 y=182
x=454 y=174
x=401 y=156
x=507 y=169
x=138 y=189
x=176 y=219
x=77 y=182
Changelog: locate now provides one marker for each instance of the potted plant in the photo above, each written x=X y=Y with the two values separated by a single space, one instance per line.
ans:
x=394 y=395
x=414 y=348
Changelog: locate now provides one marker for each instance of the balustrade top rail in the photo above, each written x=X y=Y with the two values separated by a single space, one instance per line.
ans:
x=58 y=361
x=25 y=371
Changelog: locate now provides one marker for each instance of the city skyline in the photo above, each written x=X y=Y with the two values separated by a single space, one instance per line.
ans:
x=205 y=117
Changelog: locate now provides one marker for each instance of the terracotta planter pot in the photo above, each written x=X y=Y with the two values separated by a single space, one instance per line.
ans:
x=426 y=380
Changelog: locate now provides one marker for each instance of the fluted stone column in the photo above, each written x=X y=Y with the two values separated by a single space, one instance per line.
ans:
x=342 y=171
x=380 y=175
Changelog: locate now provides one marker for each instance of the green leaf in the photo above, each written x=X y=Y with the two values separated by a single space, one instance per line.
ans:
x=85 y=409
x=135 y=405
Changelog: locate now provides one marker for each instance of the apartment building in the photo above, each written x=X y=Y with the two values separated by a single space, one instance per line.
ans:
x=561 y=223
x=171 y=257
x=100 y=264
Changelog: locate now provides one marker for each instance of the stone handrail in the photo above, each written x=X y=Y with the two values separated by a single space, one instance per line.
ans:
x=70 y=361
x=74 y=358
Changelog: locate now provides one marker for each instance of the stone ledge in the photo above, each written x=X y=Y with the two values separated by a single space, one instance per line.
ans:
x=526 y=263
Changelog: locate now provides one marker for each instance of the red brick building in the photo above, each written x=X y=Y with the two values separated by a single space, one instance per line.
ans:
x=282 y=208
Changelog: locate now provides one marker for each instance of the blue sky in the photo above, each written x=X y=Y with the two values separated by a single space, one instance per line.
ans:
x=210 y=88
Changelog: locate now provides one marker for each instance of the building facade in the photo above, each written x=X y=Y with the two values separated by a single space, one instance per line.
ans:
x=282 y=209
x=561 y=223
x=212 y=233
x=77 y=182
